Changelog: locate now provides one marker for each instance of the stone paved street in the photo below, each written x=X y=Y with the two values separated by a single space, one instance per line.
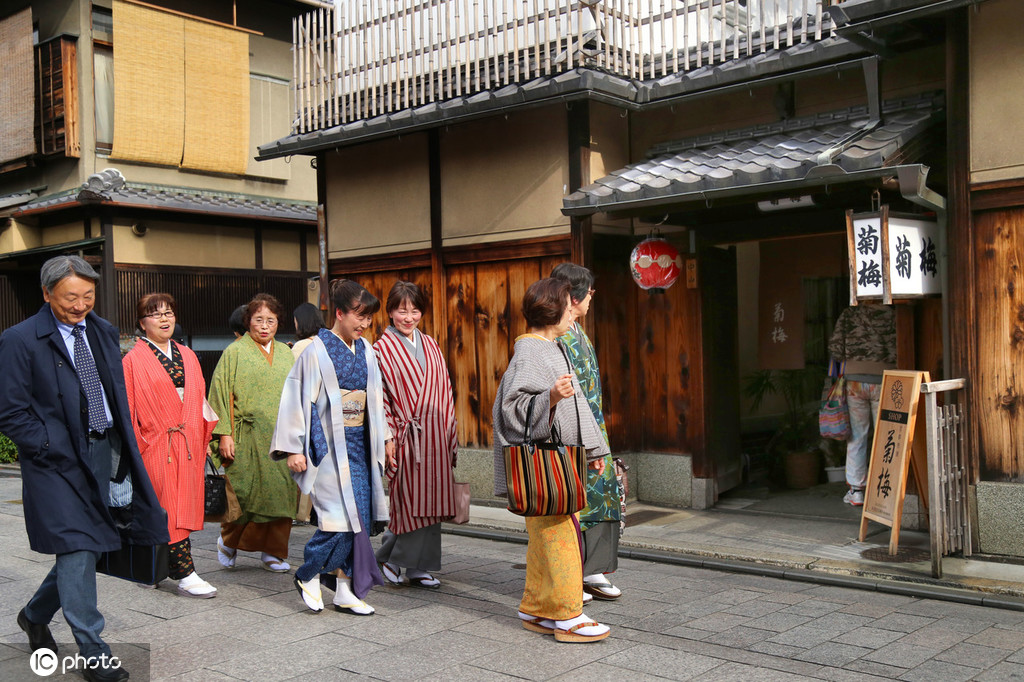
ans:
x=674 y=622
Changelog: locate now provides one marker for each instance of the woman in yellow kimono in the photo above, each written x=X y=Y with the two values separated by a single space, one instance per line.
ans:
x=539 y=374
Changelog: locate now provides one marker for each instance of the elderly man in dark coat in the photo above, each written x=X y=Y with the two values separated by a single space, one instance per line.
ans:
x=63 y=403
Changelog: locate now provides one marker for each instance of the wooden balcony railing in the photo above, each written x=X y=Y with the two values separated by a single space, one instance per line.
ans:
x=370 y=57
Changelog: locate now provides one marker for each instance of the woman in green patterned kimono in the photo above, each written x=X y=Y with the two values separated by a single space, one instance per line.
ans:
x=245 y=392
x=599 y=520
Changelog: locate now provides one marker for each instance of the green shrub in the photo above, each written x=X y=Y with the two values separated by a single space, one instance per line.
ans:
x=8 y=450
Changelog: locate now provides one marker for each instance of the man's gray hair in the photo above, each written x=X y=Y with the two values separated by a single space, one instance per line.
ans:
x=60 y=267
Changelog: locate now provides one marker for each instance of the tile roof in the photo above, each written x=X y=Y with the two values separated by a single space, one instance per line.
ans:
x=109 y=187
x=827 y=145
x=577 y=84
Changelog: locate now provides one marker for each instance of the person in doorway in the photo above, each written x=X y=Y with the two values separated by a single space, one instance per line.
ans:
x=599 y=520
x=539 y=371
x=332 y=431
x=245 y=392
x=421 y=413
x=864 y=339
x=173 y=424
x=65 y=406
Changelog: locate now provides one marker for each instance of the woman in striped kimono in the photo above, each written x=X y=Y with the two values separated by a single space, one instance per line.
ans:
x=173 y=424
x=421 y=413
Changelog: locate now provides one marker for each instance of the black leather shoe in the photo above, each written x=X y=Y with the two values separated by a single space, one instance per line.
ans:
x=105 y=674
x=39 y=636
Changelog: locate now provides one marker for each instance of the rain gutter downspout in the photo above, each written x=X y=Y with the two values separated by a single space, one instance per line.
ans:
x=913 y=187
x=872 y=83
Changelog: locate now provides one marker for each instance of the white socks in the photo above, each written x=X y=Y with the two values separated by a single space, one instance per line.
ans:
x=589 y=631
x=344 y=598
x=310 y=593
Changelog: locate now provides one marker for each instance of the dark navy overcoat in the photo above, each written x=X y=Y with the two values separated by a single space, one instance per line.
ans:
x=44 y=411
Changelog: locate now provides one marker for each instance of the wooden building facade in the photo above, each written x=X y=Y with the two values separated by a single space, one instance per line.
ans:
x=473 y=178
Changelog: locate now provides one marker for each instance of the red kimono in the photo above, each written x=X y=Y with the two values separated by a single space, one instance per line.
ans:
x=420 y=410
x=172 y=433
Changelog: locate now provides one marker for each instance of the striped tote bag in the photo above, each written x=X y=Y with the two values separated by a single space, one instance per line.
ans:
x=545 y=479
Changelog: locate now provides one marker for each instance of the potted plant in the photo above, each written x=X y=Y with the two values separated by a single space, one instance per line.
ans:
x=796 y=440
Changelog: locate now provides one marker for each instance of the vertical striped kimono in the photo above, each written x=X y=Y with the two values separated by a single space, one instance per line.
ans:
x=420 y=411
x=172 y=432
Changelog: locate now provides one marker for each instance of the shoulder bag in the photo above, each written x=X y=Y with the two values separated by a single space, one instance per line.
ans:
x=545 y=479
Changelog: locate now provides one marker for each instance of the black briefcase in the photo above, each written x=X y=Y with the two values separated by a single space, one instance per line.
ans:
x=148 y=564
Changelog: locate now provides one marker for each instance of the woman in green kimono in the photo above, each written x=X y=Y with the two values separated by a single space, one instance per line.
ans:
x=599 y=520
x=245 y=393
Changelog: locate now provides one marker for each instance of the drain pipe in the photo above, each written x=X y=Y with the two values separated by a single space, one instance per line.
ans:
x=913 y=187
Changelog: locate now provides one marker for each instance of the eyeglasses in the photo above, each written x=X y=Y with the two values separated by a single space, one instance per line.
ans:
x=161 y=314
x=264 y=321
x=592 y=292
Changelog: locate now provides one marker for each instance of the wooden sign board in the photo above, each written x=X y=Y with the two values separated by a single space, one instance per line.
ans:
x=891 y=452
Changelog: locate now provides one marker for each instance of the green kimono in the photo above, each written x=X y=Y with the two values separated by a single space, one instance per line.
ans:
x=265 y=488
x=603 y=502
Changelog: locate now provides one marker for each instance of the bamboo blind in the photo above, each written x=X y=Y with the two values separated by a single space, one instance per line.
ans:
x=370 y=57
x=149 y=81
x=216 y=96
x=17 y=91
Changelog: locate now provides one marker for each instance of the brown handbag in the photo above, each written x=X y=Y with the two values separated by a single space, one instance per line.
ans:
x=462 y=500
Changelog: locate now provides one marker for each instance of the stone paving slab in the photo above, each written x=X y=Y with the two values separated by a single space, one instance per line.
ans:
x=673 y=622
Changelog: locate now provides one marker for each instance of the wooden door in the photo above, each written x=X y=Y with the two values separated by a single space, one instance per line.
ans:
x=719 y=330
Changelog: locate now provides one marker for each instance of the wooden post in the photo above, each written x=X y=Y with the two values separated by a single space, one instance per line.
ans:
x=108 y=278
x=438 y=280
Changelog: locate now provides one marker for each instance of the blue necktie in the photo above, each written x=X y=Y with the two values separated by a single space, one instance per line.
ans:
x=90 y=378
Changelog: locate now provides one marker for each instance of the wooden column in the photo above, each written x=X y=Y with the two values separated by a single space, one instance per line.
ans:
x=108 y=278
x=581 y=228
x=964 y=361
x=438 y=280
x=579 y=176
x=320 y=163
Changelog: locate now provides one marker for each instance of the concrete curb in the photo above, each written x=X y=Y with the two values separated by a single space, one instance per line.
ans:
x=919 y=587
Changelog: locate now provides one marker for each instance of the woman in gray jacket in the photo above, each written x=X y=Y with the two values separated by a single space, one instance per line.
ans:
x=539 y=372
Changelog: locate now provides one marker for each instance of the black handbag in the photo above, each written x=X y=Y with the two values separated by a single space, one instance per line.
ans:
x=216 y=494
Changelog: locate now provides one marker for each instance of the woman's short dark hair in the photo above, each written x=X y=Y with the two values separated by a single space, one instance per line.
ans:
x=257 y=302
x=308 y=321
x=545 y=302
x=580 y=279
x=348 y=296
x=403 y=292
x=150 y=303
x=237 y=320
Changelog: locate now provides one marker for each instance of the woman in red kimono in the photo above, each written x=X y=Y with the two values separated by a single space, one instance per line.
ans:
x=420 y=410
x=173 y=424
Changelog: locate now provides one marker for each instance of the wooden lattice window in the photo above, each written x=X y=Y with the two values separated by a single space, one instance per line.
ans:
x=57 y=102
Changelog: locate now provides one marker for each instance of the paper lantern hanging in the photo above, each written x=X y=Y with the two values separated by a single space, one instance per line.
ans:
x=655 y=265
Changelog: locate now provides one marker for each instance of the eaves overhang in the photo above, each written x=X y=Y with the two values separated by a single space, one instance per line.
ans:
x=822 y=179
x=783 y=158
x=799 y=61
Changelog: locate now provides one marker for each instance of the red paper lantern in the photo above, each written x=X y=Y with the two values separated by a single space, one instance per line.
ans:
x=655 y=265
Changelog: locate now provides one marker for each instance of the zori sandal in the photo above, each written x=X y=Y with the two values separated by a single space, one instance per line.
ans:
x=544 y=626
x=429 y=582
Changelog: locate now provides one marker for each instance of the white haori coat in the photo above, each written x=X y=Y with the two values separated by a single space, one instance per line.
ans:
x=312 y=387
